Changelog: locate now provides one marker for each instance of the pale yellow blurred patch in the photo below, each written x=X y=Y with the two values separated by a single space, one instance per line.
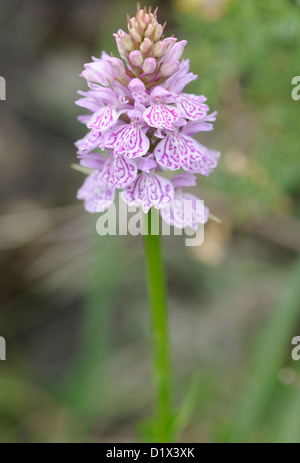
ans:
x=215 y=248
x=236 y=162
x=208 y=10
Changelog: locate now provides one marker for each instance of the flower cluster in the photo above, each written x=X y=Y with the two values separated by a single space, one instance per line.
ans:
x=145 y=122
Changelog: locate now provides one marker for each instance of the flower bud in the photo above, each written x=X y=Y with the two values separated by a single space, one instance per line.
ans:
x=149 y=31
x=132 y=23
x=146 y=18
x=135 y=35
x=158 y=49
x=141 y=26
x=158 y=32
x=136 y=58
x=169 y=68
x=149 y=65
x=140 y=15
x=127 y=42
x=137 y=24
x=146 y=45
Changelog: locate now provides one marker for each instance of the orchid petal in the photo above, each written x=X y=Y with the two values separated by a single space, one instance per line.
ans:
x=103 y=119
x=149 y=190
x=118 y=172
x=96 y=195
x=192 y=106
x=161 y=116
x=128 y=140
x=186 y=210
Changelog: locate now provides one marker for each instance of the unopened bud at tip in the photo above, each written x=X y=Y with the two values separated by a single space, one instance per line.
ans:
x=149 y=31
x=158 y=32
x=135 y=35
x=146 y=45
x=149 y=65
x=126 y=42
x=136 y=58
x=158 y=49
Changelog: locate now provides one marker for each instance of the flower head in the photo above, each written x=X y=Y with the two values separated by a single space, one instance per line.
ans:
x=140 y=115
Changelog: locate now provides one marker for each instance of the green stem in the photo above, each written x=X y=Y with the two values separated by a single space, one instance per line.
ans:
x=160 y=336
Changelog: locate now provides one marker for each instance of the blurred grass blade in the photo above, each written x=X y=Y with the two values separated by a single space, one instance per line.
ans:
x=82 y=169
x=83 y=385
x=289 y=423
x=268 y=359
x=285 y=428
x=187 y=409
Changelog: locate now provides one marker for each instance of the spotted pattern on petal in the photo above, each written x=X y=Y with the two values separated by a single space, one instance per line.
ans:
x=161 y=116
x=91 y=141
x=149 y=190
x=185 y=210
x=192 y=107
x=129 y=141
x=96 y=195
x=177 y=150
x=119 y=172
x=103 y=119
x=206 y=164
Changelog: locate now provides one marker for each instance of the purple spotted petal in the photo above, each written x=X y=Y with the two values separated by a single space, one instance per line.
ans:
x=192 y=106
x=96 y=195
x=149 y=190
x=103 y=119
x=91 y=141
x=161 y=116
x=118 y=172
x=204 y=165
x=185 y=210
x=128 y=140
x=177 y=150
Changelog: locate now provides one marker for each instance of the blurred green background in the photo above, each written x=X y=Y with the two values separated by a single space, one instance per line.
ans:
x=73 y=305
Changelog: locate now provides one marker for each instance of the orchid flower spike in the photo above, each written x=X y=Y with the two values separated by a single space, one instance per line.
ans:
x=141 y=116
